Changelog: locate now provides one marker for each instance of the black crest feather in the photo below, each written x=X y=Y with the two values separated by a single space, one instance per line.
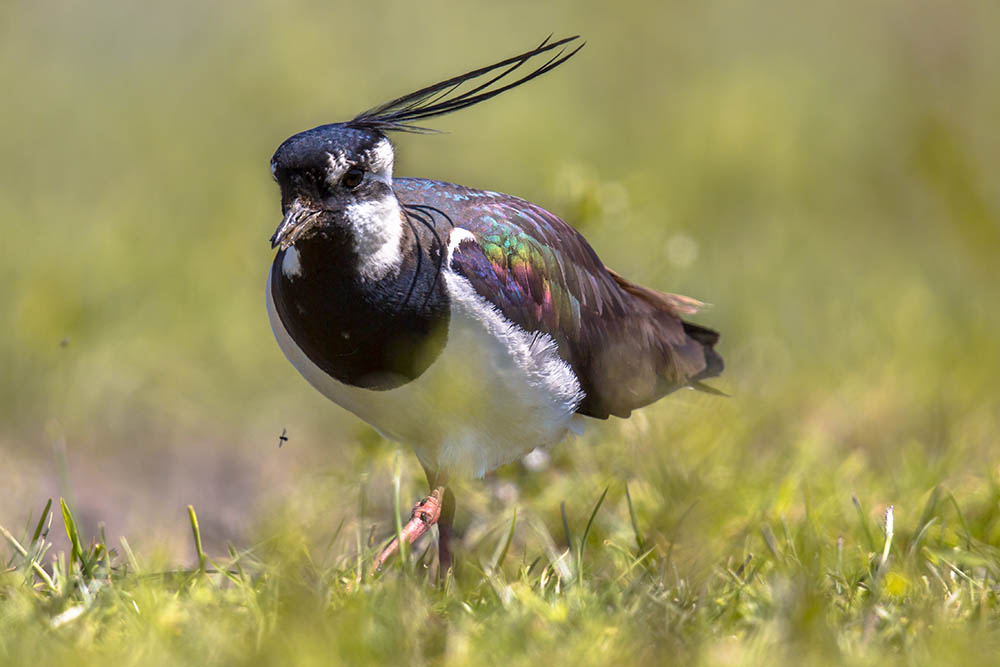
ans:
x=400 y=114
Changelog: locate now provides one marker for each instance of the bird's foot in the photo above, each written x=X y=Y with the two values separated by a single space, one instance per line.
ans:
x=425 y=514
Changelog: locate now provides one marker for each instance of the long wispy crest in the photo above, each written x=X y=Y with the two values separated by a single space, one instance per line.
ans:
x=400 y=114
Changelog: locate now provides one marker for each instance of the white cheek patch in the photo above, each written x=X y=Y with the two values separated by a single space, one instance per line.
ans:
x=380 y=160
x=291 y=267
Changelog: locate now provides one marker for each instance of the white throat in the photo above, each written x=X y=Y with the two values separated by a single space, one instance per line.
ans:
x=377 y=230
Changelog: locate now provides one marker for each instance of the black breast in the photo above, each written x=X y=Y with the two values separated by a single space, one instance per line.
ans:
x=376 y=334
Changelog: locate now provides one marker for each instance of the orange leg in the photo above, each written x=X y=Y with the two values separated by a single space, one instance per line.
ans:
x=425 y=514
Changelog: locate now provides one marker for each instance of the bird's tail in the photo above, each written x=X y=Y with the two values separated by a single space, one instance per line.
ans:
x=676 y=305
x=707 y=338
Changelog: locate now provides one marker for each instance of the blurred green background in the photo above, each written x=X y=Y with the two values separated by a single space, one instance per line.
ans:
x=824 y=174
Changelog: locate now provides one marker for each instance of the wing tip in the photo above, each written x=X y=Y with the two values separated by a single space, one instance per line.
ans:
x=698 y=385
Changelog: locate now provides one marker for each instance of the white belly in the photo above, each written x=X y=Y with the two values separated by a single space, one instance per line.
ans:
x=493 y=394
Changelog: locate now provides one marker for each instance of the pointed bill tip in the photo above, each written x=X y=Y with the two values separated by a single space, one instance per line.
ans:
x=295 y=221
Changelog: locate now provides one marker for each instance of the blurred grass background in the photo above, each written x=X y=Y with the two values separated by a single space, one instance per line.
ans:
x=824 y=174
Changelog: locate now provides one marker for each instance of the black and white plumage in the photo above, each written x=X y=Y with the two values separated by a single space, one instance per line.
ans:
x=471 y=324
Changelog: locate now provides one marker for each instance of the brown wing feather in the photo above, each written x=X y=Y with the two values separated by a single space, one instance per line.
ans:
x=677 y=304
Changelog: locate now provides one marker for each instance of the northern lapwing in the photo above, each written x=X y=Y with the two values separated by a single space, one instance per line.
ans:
x=471 y=324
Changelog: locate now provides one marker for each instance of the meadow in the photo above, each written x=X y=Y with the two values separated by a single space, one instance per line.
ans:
x=824 y=175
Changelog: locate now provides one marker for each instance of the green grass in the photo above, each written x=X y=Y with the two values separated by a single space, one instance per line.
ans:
x=818 y=588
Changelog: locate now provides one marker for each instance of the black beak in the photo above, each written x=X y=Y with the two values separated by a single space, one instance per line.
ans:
x=296 y=220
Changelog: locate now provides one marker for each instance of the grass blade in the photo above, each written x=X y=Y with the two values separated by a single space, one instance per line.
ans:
x=197 y=539
x=586 y=532
x=362 y=513
x=13 y=541
x=403 y=545
x=889 y=523
x=41 y=522
x=635 y=524
x=74 y=537
x=129 y=555
x=569 y=538
x=499 y=558
x=864 y=523
x=961 y=518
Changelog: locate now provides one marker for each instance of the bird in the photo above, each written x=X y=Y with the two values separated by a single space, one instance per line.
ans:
x=473 y=325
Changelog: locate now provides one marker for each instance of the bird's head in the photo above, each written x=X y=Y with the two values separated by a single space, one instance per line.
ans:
x=332 y=178
x=336 y=180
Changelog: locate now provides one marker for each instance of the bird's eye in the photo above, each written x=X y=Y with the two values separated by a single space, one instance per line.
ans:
x=352 y=178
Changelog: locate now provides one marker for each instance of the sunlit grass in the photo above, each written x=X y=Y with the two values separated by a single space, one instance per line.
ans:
x=789 y=589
